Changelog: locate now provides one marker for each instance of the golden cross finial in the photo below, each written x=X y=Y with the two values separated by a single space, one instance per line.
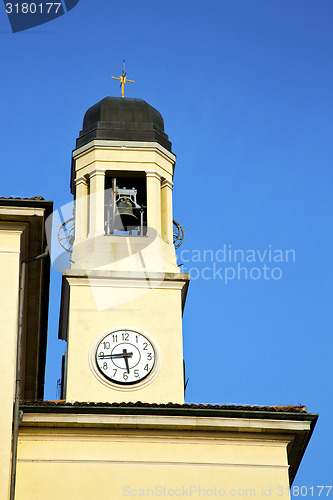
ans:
x=123 y=80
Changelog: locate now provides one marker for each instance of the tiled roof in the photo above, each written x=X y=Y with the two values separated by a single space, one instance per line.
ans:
x=185 y=406
x=18 y=198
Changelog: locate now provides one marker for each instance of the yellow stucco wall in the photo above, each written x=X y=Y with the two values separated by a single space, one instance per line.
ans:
x=10 y=248
x=117 y=463
x=154 y=312
x=125 y=253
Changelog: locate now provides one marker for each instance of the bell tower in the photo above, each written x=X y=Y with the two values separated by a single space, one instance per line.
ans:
x=123 y=296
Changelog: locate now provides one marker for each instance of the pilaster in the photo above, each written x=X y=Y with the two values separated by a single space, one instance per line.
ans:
x=154 y=200
x=96 y=203
x=81 y=209
x=166 y=209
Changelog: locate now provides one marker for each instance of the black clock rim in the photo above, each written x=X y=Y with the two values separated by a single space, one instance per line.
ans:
x=125 y=383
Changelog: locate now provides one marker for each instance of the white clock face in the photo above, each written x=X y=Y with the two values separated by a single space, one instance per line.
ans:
x=125 y=357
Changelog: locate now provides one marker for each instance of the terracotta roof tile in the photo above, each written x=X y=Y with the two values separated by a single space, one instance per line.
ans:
x=18 y=198
x=194 y=406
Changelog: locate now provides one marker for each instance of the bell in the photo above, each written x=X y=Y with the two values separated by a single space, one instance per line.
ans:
x=125 y=217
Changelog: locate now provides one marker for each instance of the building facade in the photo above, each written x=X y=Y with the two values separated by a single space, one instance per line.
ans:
x=122 y=428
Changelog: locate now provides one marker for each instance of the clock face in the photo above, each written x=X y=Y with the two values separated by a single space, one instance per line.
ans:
x=125 y=357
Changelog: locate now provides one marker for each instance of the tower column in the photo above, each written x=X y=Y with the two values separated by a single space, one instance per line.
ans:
x=166 y=208
x=154 y=201
x=81 y=209
x=96 y=203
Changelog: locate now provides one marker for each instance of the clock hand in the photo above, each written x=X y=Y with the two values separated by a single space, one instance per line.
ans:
x=126 y=359
x=120 y=355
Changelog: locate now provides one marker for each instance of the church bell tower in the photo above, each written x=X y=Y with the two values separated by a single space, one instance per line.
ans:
x=123 y=296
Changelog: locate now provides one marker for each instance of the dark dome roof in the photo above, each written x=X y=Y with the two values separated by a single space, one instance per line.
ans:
x=123 y=119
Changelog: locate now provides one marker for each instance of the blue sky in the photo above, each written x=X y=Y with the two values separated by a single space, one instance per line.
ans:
x=245 y=89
